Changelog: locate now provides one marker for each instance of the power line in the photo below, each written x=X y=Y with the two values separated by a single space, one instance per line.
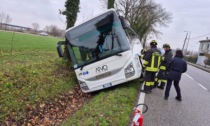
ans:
x=199 y=36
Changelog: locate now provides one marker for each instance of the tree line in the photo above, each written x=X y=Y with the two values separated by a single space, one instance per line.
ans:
x=52 y=30
x=4 y=19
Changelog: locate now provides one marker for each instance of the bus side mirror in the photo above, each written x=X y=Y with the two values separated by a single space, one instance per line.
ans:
x=125 y=23
x=59 y=48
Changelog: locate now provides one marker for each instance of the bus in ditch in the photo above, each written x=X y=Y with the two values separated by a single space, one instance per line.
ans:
x=104 y=51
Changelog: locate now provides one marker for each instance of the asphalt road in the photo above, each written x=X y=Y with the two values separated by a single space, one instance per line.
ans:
x=194 y=110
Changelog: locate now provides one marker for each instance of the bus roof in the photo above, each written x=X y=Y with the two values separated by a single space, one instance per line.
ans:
x=110 y=10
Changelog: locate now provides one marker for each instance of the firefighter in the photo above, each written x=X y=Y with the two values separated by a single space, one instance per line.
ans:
x=166 y=60
x=143 y=52
x=152 y=60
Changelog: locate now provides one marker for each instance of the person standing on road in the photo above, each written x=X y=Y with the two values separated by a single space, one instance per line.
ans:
x=166 y=60
x=152 y=60
x=176 y=68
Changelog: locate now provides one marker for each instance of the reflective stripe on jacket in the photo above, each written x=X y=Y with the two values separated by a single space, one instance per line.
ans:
x=152 y=60
x=166 y=60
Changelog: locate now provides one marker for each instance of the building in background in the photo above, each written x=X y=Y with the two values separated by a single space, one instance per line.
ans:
x=204 y=50
x=10 y=27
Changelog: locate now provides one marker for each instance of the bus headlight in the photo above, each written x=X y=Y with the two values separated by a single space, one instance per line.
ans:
x=129 y=70
x=83 y=85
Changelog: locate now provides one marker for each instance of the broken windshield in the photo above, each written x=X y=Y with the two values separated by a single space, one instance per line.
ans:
x=97 y=39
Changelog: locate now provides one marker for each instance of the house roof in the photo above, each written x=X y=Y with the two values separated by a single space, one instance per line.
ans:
x=208 y=40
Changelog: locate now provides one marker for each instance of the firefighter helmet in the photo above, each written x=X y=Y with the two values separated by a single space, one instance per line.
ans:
x=166 y=45
x=153 y=42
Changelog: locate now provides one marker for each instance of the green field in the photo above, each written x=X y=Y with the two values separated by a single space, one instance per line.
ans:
x=30 y=72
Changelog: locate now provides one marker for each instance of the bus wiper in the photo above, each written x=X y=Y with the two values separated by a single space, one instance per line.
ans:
x=113 y=36
x=82 y=67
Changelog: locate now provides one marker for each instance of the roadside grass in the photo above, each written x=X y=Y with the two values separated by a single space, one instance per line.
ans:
x=111 y=107
x=32 y=74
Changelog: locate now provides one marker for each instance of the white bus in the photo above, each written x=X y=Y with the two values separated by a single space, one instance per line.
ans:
x=104 y=51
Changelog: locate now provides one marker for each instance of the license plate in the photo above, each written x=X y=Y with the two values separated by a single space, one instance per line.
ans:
x=104 y=75
x=107 y=85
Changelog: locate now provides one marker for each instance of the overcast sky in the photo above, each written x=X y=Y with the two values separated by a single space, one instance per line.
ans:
x=188 y=15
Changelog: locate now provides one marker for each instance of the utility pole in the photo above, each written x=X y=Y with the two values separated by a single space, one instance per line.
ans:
x=188 y=39
x=184 y=42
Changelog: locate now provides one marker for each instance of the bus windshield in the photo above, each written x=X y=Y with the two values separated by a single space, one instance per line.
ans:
x=97 y=39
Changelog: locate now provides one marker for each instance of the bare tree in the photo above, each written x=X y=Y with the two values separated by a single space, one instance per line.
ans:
x=8 y=19
x=54 y=31
x=143 y=15
x=35 y=26
x=47 y=29
x=104 y=3
x=2 y=17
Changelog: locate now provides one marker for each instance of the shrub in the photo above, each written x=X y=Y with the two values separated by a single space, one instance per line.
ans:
x=192 y=59
x=207 y=61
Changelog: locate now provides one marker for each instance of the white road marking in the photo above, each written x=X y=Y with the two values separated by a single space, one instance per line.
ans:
x=189 y=76
x=197 y=83
x=202 y=86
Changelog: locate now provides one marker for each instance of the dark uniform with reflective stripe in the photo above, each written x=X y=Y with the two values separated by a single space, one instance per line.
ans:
x=152 y=62
x=166 y=60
